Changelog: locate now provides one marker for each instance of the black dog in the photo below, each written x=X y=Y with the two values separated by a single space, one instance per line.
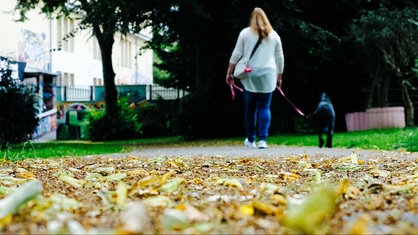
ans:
x=325 y=119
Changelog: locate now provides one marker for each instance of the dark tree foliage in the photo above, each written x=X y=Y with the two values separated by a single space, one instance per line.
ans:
x=388 y=38
x=18 y=115
x=346 y=77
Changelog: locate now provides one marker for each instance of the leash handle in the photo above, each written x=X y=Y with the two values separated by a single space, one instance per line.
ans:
x=233 y=86
x=290 y=102
x=232 y=92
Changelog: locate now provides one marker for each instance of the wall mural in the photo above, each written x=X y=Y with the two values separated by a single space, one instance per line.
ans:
x=33 y=49
x=47 y=124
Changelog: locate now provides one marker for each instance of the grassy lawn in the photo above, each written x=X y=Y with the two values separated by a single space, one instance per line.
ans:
x=380 y=139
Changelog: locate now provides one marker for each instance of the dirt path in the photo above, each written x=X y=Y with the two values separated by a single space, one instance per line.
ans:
x=272 y=151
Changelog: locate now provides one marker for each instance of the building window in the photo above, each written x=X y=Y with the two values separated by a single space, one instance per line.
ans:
x=97 y=81
x=126 y=52
x=67 y=79
x=65 y=28
x=48 y=94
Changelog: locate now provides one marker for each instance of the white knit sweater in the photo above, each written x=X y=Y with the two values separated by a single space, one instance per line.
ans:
x=267 y=61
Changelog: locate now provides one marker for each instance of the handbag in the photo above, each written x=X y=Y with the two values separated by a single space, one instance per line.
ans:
x=242 y=67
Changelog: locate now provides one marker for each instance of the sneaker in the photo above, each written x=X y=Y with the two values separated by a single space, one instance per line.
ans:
x=249 y=144
x=262 y=144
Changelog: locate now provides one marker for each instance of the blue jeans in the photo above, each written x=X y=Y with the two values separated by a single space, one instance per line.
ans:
x=257 y=115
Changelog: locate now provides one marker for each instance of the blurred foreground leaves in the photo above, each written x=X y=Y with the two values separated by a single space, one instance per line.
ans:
x=217 y=195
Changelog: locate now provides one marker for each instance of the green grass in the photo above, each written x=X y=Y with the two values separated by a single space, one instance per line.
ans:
x=379 y=139
x=80 y=148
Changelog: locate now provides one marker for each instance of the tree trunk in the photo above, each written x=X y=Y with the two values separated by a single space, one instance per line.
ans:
x=374 y=88
x=409 y=106
x=106 y=45
x=382 y=97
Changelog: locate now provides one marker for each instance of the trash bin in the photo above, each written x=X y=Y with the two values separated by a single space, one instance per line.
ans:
x=74 y=120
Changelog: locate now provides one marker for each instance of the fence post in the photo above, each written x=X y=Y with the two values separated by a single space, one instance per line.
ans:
x=91 y=93
x=65 y=93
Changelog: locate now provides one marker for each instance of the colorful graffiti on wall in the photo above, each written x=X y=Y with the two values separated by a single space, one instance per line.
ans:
x=33 y=49
x=47 y=124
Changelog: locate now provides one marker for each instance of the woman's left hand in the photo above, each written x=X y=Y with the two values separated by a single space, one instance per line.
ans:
x=279 y=80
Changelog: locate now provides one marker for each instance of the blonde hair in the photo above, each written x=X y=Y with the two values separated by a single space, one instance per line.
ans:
x=259 y=23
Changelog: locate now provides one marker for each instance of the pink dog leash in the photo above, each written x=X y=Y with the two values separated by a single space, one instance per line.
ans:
x=233 y=86
x=232 y=90
x=290 y=102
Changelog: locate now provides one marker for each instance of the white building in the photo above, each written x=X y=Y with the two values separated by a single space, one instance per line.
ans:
x=76 y=61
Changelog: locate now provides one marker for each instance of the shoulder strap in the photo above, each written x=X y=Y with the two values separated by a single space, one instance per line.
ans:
x=255 y=47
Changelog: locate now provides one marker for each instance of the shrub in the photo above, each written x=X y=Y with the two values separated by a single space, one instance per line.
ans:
x=155 y=118
x=18 y=116
x=120 y=125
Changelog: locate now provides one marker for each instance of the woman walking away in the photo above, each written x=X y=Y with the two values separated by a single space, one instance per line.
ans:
x=259 y=47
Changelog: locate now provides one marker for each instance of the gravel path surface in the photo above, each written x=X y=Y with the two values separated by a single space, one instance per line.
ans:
x=272 y=151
